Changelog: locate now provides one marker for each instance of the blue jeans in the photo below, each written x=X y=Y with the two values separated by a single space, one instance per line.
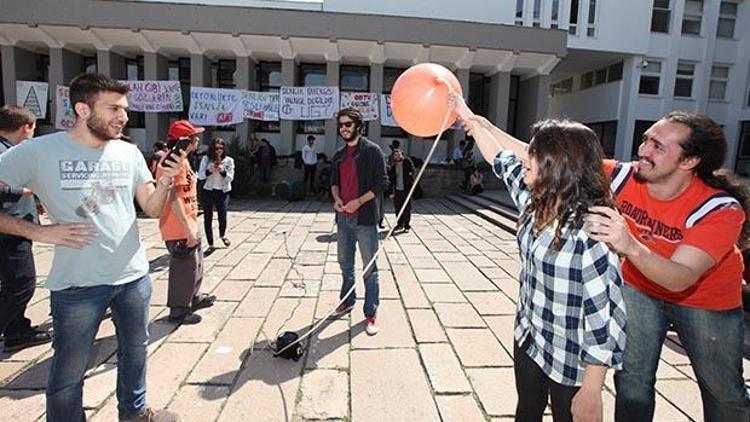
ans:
x=218 y=199
x=713 y=341
x=76 y=315
x=349 y=234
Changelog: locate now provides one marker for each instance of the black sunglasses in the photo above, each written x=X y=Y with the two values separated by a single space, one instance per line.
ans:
x=345 y=124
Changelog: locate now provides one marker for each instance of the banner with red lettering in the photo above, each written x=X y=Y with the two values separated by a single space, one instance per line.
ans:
x=365 y=102
x=308 y=102
x=65 y=118
x=216 y=107
x=154 y=96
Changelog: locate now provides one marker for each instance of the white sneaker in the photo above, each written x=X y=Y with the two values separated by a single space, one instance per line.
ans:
x=372 y=326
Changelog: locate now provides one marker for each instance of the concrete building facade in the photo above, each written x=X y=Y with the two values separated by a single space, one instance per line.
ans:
x=614 y=65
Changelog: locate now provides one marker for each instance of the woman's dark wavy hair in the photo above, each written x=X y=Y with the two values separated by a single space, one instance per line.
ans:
x=707 y=142
x=212 y=149
x=570 y=176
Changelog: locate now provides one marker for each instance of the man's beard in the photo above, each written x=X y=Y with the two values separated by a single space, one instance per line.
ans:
x=98 y=128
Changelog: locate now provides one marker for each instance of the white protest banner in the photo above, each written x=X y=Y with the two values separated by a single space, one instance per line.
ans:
x=215 y=106
x=308 y=102
x=386 y=113
x=261 y=105
x=33 y=95
x=365 y=102
x=154 y=96
x=65 y=118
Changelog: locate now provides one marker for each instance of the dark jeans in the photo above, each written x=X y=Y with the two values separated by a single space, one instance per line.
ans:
x=467 y=178
x=713 y=341
x=218 y=199
x=534 y=386
x=398 y=201
x=265 y=172
x=309 y=177
x=17 y=283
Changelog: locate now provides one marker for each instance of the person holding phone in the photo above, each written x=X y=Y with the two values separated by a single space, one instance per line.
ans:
x=179 y=230
x=217 y=172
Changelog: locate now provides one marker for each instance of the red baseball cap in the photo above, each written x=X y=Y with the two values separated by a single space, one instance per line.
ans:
x=182 y=129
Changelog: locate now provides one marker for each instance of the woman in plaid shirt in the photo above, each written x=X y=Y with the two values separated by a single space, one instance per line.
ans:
x=570 y=315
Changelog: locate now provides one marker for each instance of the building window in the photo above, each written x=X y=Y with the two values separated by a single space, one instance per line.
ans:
x=606 y=132
x=390 y=74
x=515 y=83
x=562 y=87
x=683 y=84
x=691 y=19
x=727 y=19
x=650 y=78
x=225 y=74
x=354 y=78
x=479 y=93
x=717 y=88
x=614 y=72
x=312 y=75
x=575 y=7
x=660 y=16
x=742 y=168
x=554 y=20
x=600 y=76
x=587 y=80
x=591 y=28
x=89 y=65
x=537 y=15
x=519 y=12
x=135 y=72
x=269 y=80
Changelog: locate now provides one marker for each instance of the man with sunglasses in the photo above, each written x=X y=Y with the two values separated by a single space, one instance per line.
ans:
x=358 y=180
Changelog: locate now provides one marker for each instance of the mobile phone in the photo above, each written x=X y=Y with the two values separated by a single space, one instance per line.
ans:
x=181 y=144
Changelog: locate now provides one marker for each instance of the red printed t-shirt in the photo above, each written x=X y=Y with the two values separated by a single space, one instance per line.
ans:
x=349 y=189
x=186 y=191
x=701 y=216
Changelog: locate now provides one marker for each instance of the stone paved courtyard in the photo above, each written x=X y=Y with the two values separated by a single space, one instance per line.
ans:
x=448 y=293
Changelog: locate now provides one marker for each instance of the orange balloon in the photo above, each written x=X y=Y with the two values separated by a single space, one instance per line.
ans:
x=419 y=99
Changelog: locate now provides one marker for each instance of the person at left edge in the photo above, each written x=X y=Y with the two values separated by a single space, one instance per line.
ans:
x=87 y=175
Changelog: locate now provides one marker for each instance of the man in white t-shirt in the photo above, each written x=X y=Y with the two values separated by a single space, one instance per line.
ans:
x=87 y=178
x=310 y=159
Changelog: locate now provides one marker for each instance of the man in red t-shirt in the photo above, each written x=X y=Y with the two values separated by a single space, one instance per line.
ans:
x=678 y=229
x=178 y=224
x=358 y=180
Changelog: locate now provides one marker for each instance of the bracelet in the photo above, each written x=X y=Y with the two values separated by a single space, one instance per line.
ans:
x=169 y=182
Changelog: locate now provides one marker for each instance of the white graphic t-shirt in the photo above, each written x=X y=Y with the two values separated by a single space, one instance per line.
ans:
x=77 y=183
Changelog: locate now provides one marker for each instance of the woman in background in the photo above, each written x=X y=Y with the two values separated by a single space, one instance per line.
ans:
x=217 y=172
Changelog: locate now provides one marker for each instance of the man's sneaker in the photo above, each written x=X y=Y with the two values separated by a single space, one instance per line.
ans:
x=30 y=338
x=203 y=300
x=151 y=415
x=342 y=310
x=372 y=326
x=187 y=318
x=226 y=241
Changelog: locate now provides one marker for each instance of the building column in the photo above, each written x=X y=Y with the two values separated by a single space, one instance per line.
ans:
x=332 y=132
x=110 y=64
x=286 y=131
x=458 y=134
x=374 y=129
x=200 y=76
x=533 y=103
x=499 y=98
x=18 y=65
x=155 y=68
x=245 y=79
x=64 y=65
x=628 y=99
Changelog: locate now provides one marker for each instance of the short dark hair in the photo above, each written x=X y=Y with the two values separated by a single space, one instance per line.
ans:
x=13 y=117
x=310 y=138
x=159 y=145
x=85 y=88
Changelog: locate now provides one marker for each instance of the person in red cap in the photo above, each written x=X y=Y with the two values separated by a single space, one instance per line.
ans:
x=179 y=230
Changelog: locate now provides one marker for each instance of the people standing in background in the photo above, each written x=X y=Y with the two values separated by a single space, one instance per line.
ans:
x=17 y=269
x=458 y=154
x=401 y=176
x=310 y=161
x=264 y=158
x=476 y=182
x=467 y=164
x=217 y=172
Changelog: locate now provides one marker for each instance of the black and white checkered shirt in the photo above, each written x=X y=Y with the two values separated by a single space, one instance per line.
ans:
x=570 y=307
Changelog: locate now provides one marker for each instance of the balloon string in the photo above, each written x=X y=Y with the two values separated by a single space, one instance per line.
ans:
x=387 y=236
